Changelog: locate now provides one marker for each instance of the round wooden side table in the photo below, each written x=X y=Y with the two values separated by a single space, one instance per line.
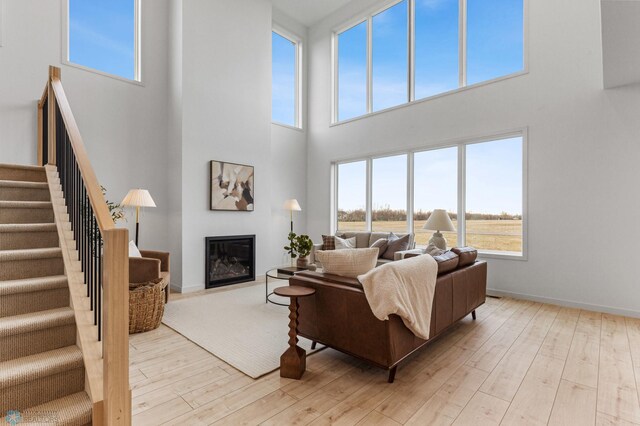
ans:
x=293 y=361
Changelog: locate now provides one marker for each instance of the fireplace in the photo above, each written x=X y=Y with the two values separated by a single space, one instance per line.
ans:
x=230 y=260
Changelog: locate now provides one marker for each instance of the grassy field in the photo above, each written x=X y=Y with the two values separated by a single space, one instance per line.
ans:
x=498 y=235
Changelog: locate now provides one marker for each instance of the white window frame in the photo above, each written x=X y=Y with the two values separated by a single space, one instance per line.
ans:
x=461 y=145
x=137 y=48
x=462 y=58
x=298 y=43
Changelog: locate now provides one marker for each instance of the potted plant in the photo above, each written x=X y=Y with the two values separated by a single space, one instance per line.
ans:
x=299 y=247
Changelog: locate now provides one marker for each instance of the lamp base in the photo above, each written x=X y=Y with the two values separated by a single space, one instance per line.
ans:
x=438 y=240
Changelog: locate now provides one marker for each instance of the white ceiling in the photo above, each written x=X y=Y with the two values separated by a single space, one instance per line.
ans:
x=309 y=12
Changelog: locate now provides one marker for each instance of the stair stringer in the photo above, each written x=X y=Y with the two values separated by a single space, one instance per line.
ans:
x=86 y=332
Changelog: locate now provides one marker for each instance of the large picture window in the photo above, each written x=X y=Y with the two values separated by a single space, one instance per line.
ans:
x=104 y=36
x=389 y=194
x=494 y=195
x=352 y=72
x=285 y=73
x=414 y=49
x=390 y=55
x=479 y=183
x=352 y=196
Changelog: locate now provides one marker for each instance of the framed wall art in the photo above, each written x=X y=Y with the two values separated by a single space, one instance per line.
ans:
x=231 y=187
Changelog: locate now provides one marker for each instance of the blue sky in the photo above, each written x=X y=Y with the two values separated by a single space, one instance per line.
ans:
x=102 y=34
x=283 y=80
x=494 y=49
x=494 y=179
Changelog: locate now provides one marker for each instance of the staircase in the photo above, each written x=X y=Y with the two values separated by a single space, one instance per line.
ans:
x=42 y=372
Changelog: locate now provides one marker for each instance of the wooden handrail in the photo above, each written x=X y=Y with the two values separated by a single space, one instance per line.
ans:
x=112 y=405
x=100 y=209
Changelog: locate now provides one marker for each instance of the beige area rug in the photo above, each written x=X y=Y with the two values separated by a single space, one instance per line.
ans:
x=237 y=326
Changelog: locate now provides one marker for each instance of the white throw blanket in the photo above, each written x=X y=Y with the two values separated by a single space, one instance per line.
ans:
x=405 y=288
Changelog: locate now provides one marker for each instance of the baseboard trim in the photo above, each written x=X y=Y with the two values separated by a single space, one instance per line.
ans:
x=568 y=303
x=192 y=289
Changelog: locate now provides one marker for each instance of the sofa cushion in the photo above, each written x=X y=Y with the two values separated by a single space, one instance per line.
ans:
x=381 y=245
x=348 y=263
x=375 y=236
x=345 y=243
x=362 y=238
x=467 y=255
x=328 y=242
x=447 y=262
x=396 y=244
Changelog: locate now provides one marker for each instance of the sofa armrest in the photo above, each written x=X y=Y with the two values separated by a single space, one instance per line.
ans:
x=312 y=255
x=143 y=269
x=399 y=255
x=162 y=256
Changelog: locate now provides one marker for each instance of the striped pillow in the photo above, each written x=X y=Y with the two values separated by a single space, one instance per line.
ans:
x=348 y=263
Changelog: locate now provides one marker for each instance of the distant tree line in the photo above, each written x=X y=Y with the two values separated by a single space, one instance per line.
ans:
x=391 y=215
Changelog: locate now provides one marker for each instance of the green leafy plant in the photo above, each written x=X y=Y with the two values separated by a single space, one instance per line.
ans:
x=299 y=245
x=116 y=210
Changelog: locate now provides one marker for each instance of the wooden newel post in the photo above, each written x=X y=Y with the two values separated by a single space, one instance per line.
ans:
x=117 y=395
x=54 y=73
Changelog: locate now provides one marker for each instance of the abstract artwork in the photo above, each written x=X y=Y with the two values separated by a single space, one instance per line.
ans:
x=231 y=186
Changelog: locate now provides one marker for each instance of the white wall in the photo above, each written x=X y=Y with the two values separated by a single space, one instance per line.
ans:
x=583 y=154
x=226 y=115
x=123 y=125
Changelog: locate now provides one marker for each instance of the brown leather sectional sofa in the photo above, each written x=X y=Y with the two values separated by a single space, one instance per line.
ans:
x=339 y=316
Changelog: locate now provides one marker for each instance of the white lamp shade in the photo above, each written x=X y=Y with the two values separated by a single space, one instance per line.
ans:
x=138 y=198
x=439 y=221
x=292 y=205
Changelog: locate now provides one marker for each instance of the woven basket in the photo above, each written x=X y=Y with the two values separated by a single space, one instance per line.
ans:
x=146 y=305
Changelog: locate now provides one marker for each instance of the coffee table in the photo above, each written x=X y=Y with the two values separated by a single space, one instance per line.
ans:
x=275 y=275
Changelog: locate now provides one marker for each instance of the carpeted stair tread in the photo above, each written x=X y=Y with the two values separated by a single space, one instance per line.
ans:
x=26 y=323
x=27 y=227
x=23 y=370
x=30 y=254
x=29 y=285
x=4 y=204
x=23 y=184
x=70 y=410
x=23 y=173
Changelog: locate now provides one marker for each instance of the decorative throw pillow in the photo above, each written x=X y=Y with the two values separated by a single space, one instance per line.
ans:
x=381 y=245
x=395 y=244
x=348 y=263
x=328 y=242
x=345 y=243
x=133 y=250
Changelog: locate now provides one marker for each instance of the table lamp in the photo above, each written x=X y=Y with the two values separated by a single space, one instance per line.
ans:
x=292 y=205
x=439 y=221
x=138 y=198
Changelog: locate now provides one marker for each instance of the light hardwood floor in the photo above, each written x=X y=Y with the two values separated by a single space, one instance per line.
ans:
x=520 y=363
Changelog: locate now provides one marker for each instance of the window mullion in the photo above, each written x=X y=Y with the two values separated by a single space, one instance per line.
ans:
x=411 y=37
x=410 y=190
x=462 y=43
x=369 y=198
x=462 y=195
x=370 y=64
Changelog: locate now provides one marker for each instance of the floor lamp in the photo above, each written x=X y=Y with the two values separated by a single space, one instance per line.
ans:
x=292 y=205
x=138 y=198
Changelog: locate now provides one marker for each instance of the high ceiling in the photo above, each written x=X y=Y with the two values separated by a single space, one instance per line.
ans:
x=309 y=12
